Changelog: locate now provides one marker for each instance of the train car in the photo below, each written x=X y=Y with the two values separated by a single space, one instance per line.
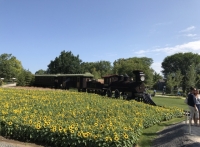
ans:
x=64 y=81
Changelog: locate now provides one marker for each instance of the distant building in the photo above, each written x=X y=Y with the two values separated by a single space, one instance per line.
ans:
x=161 y=83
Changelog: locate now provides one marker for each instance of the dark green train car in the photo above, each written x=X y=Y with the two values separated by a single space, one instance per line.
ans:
x=63 y=81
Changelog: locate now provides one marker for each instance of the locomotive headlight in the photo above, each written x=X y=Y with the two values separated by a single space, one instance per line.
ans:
x=142 y=78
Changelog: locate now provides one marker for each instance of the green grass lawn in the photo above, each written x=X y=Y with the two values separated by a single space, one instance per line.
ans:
x=176 y=101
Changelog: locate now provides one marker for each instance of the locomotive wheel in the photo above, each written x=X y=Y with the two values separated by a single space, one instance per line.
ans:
x=103 y=92
x=109 y=93
x=117 y=93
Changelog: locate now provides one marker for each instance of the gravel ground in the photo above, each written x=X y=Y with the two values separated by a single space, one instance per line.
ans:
x=178 y=136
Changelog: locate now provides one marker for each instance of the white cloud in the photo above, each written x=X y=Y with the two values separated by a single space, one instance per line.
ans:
x=188 y=29
x=191 y=35
x=193 y=46
x=157 y=67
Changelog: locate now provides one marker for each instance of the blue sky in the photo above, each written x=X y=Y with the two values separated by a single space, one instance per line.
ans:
x=36 y=31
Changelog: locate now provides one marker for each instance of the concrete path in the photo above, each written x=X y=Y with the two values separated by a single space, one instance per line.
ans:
x=9 y=85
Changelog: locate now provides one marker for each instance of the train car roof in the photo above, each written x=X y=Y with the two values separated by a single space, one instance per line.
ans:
x=67 y=75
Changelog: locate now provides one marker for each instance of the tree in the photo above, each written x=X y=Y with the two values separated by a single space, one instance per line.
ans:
x=156 y=77
x=126 y=66
x=182 y=62
x=66 y=63
x=178 y=77
x=170 y=83
x=25 y=78
x=41 y=72
x=10 y=67
x=190 y=77
x=99 y=68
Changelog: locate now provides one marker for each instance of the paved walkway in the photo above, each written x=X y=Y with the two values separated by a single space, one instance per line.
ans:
x=9 y=85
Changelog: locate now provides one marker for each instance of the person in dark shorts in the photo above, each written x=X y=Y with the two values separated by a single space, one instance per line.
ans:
x=192 y=105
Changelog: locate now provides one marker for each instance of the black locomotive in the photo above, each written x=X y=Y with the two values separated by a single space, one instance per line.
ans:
x=111 y=86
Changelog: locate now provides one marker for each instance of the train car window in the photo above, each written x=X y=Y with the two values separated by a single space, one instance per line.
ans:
x=133 y=78
x=113 y=79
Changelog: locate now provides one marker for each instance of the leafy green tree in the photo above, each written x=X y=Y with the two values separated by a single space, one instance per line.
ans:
x=25 y=78
x=178 y=77
x=96 y=74
x=126 y=66
x=191 y=77
x=41 y=72
x=182 y=62
x=170 y=83
x=10 y=67
x=99 y=68
x=66 y=63
x=21 y=79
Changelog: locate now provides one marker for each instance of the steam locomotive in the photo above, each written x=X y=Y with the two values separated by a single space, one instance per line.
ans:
x=111 y=86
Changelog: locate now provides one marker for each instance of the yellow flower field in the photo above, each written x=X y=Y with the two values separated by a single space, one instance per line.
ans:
x=62 y=118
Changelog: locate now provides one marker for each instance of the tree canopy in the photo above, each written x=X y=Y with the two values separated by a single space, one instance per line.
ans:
x=186 y=64
x=65 y=63
x=10 y=67
x=126 y=66
x=98 y=69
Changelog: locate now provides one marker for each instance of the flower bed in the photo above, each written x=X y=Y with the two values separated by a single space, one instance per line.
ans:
x=62 y=118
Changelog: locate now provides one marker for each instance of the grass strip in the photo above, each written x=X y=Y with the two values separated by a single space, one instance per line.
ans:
x=150 y=134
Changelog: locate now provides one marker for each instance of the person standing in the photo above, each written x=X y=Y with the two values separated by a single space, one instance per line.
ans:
x=198 y=104
x=192 y=104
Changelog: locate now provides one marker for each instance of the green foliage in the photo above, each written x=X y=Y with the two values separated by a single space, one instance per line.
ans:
x=170 y=101
x=25 y=78
x=10 y=67
x=126 y=66
x=170 y=83
x=40 y=72
x=21 y=79
x=66 y=63
x=98 y=69
x=186 y=63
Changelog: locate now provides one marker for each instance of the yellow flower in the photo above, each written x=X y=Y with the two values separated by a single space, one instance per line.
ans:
x=10 y=123
x=116 y=138
x=85 y=135
x=60 y=129
x=95 y=136
x=107 y=138
x=125 y=136
x=79 y=134
x=72 y=131
x=64 y=130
